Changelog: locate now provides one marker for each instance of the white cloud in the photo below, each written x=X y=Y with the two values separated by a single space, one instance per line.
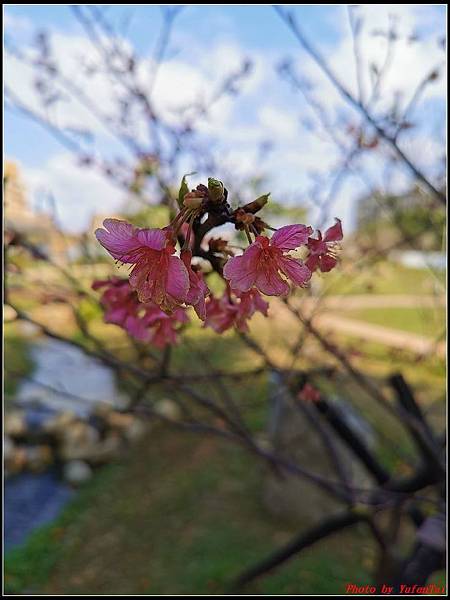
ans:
x=78 y=193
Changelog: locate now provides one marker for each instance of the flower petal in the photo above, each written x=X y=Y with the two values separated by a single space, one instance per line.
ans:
x=119 y=238
x=152 y=238
x=327 y=263
x=295 y=270
x=177 y=282
x=241 y=270
x=269 y=282
x=198 y=289
x=291 y=237
x=312 y=262
x=334 y=233
x=200 y=308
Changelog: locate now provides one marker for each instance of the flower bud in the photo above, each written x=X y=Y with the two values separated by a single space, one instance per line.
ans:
x=216 y=190
x=244 y=218
x=257 y=204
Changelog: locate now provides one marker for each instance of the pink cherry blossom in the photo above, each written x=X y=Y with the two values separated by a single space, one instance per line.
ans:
x=157 y=275
x=250 y=302
x=233 y=310
x=165 y=331
x=118 y=299
x=309 y=393
x=156 y=327
x=198 y=290
x=145 y=322
x=220 y=313
x=321 y=250
x=261 y=263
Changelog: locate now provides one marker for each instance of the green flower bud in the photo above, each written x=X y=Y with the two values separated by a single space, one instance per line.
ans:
x=216 y=190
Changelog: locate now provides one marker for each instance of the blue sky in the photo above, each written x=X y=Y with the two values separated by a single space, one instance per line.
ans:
x=208 y=41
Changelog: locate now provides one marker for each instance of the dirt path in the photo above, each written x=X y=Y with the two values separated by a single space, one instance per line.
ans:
x=377 y=301
x=384 y=335
x=331 y=316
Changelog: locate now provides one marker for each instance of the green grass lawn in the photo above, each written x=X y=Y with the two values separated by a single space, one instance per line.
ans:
x=18 y=362
x=179 y=515
x=428 y=322
x=383 y=278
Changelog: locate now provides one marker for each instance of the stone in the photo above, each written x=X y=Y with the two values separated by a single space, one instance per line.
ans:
x=78 y=441
x=102 y=410
x=264 y=442
x=59 y=423
x=8 y=447
x=117 y=420
x=137 y=430
x=168 y=408
x=77 y=472
x=107 y=450
x=130 y=426
x=28 y=329
x=9 y=314
x=15 y=424
x=38 y=458
x=16 y=461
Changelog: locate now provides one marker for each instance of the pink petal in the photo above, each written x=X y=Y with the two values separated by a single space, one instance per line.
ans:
x=152 y=238
x=137 y=328
x=138 y=275
x=295 y=270
x=334 y=233
x=261 y=305
x=291 y=237
x=99 y=283
x=200 y=308
x=317 y=246
x=119 y=238
x=116 y=315
x=241 y=270
x=269 y=282
x=198 y=289
x=327 y=263
x=164 y=335
x=220 y=314
x=250 y=303
x=153 y=315
x=177 y=283
x=147 y=279
x=179 y=315
x=312 y=262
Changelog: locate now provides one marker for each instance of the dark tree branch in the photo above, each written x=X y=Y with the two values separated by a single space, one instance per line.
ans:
x=318 y=532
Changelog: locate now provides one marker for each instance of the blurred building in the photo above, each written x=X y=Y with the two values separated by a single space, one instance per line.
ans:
x=36 y=227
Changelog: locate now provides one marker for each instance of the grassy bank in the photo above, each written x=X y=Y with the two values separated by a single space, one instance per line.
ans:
x=428 y=322
x=180 y=515
x=18 y=362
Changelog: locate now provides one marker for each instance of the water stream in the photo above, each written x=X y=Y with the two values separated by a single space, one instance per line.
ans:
x=64 y=379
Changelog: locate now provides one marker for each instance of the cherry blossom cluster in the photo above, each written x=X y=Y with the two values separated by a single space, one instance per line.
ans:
x=163 y=283
x=145 y=322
